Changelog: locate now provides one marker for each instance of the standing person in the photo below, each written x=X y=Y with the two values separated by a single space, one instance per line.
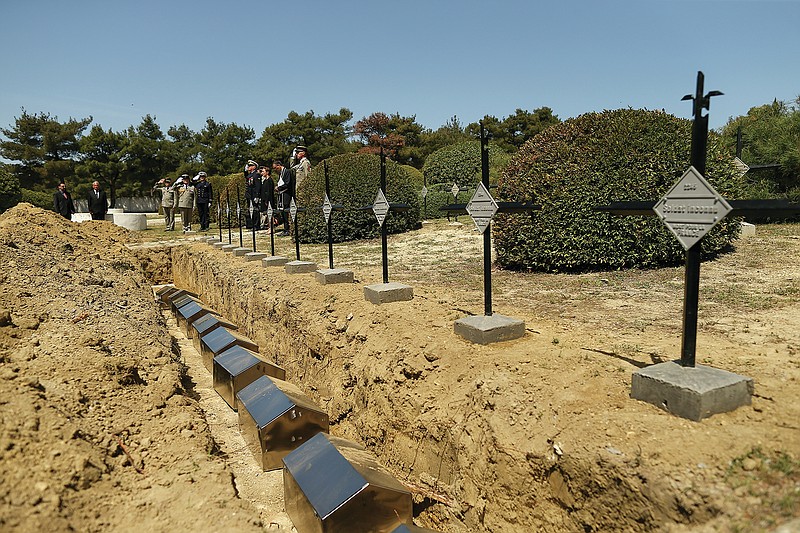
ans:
x=167 y=202
x=300 y=168
x=205 y=195
x=267 y=194
x=186 y=199
x=62 y=201
x=252 y=196
x=97 y=202
x=284 y=192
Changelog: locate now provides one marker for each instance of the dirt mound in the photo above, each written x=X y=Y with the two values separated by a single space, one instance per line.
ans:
x=96 y=430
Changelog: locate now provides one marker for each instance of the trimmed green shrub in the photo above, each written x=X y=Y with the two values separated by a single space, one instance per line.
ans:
x=354 y=183
x=593 y=160
x=9 y=189
x=415 y=176
x=439 y=195
x=461 y=163
x=40 y=199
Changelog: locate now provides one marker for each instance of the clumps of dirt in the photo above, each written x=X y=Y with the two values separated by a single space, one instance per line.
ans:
x=97 y=432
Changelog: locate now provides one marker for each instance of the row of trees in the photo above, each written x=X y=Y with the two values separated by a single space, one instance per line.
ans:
x=45 y=151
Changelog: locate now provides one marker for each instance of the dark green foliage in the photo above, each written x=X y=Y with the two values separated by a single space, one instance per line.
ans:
x=415 y=176
x=354 y=183
x=439 y=195
x=37 y=198
x=9 y=189
x=593 y=160
x=461 y=163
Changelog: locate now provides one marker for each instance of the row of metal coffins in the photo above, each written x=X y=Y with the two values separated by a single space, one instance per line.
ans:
x=330 y=484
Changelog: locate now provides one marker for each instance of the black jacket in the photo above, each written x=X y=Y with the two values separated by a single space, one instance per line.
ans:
x=97 y=203
x=268 y=193
x=204 y=192
x=62 y=203
x=252 y=189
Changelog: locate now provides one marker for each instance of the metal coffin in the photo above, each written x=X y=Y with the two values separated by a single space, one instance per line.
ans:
x=206 y=324
x=179 y=301
x=408 y=528
x=275 y=417
x=219 y=340
x=332 y=485
x=169 y=296
x=238 y=367
x=186 y=314
x=161 y=293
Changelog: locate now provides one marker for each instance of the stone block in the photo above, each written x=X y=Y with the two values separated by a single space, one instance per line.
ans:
x=300 y=267
x=241 y=251
x=254 y=256
x=381 y=293
x=691 y=392
x=274 y=260
x=328 y=276
x=489 y=329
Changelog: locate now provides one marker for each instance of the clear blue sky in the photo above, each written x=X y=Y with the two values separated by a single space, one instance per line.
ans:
x=252 y=62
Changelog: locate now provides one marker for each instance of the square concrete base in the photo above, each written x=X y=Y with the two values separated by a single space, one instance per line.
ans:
x=691 y=392
x=327 y=276
x=218 y=245
x=300 y=267
x=240 y=251
x=274 y=261
x=254 y=256
x=488 y=329
x=381 y=293
x=229 y=247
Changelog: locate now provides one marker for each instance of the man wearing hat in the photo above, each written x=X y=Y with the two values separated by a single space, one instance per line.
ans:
x=186 y=200
x=252 y=196
x=204 y=194
x=301 y=167
x=168 y=204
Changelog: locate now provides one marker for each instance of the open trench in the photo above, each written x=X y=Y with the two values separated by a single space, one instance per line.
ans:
x=378 y=377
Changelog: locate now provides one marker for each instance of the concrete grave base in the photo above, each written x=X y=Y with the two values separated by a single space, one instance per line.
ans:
x=274 y=260
x=254 y=256
x=747 y=229
x=229 y=247
x=300 y=267
x=131 y=221
x=488 y=329
x=218 y=245
x=328 y=276
x=691 y=392
x=241 y=251
x=381 y=293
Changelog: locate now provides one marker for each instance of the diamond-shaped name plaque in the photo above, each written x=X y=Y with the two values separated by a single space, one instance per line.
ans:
x=327 y=208
x=269 y=212
x=482 y=207
x=238 y=211
x=380 y=207
x=293 y=210
x=455 y=190
x=691 y=208
x=741 y=165
x=424 y=191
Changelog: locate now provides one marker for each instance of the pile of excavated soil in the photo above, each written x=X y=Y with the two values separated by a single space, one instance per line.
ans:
x=101 y=429
x=97 y=432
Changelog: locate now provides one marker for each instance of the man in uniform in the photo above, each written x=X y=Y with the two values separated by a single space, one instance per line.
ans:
x=168 y=204
x=204 y=194
x=252 y=195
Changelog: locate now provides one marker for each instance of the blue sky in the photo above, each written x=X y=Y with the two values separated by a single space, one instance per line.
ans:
x=252 y=62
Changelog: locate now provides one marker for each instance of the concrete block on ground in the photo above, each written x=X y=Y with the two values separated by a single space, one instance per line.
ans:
x=219 y=245
x=229 y=247
x=300 y=267
x=254 y=256
x=747 y=229
x=691 y=392
x=81 y=217
x=241 y=251
x=131 y=221
x=381 y=293
x=327 y=276
x=489 y=329
x=274 y=260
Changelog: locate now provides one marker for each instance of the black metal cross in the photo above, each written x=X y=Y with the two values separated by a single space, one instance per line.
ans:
x=327 y=210
x=228 y=212
x=502 y=207
x=396 y=207
x=743 y=208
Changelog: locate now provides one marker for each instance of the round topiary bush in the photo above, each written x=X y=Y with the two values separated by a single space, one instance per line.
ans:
x=461 y=163
x=40 y=199
x=354 y=183
x=415 y=176
x=593 y=160
x=10 y=193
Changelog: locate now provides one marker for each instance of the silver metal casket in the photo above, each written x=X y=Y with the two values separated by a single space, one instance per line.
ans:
x=179 y=301
x=206 y=324
x=238 y=367
x=187 y=314
x=219 y=340
x=162 y=292
x=275 y=417
x=332 y=485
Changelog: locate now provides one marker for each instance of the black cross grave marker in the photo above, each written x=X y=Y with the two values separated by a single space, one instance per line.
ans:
x=327 y=210
x=381 y=208
x=228 y=212
x=775 y=208
x=219 y=214
x=482 y=209
x=239 y=216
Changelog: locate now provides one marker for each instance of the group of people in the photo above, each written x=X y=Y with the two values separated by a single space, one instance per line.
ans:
x=96 y=200
x=183 y=196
